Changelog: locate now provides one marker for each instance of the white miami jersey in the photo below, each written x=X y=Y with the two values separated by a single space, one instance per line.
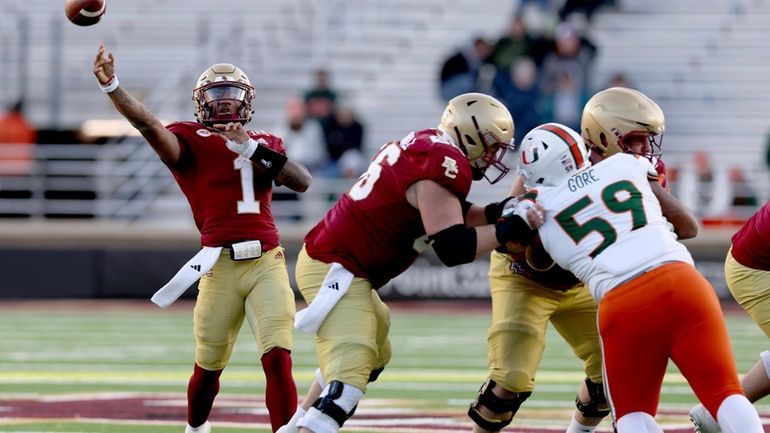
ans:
x=605 y=225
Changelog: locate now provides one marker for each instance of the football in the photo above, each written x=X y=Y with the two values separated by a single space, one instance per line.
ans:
x=536 y=255
x=85 y=12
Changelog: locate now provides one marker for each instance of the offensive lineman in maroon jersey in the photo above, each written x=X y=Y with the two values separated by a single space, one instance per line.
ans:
x=226 y=173
x=413 y=195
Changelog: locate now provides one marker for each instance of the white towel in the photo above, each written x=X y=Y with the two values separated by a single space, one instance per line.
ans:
x=334 y=286
x=191 y=272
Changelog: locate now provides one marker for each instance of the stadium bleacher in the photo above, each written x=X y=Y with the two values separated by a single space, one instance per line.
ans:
x=703 y=61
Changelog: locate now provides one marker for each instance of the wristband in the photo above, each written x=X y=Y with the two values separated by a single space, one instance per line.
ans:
x=493 y=211
x=111 y=85
x=270 y=160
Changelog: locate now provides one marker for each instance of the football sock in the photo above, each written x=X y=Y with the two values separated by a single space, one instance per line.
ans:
x=280 y=389
x=201 y=391
x=737 y=415
x=576 y=427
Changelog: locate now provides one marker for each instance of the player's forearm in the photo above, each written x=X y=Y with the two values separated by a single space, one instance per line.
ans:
x=684 y=222
x=140 y=117
x=134 y=111
x=486 y=240
x=475 y=216
x=295 y=176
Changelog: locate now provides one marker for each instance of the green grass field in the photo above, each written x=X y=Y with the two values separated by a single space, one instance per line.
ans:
x=67 y=351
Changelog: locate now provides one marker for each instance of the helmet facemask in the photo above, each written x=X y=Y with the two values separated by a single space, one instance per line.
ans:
x=210 y=95
x=642 y=143
x=492 y=156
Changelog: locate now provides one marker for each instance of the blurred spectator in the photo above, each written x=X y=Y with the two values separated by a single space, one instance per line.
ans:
x=15 y=130
x=703 y=188
x=352 y=164
x=460 y=71
x=540 y=19
x=519 y=92
x=305 y=143
x=513 y=45
x=320 y=99
x=565 y=103
x=619 y=79
x=303 y=137
x=586 y=7
x=573 y=55
x=743 y=194
x=344 y=133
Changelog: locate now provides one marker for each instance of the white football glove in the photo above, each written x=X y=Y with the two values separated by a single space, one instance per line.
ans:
x=528 y=210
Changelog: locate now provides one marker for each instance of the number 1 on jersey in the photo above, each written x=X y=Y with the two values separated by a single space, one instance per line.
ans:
x=248 y=204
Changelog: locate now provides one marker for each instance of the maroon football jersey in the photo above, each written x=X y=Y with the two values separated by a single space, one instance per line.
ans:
x=373 y=230
x=229 y=201
x=751 y=244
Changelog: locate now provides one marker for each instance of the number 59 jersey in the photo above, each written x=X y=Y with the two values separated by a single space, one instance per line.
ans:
x=372 y=230
x=605 y=225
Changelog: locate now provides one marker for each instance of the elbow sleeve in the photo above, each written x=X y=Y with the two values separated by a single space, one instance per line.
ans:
x=455 y=245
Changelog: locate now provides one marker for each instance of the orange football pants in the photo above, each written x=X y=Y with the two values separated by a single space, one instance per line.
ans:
x=668 y=312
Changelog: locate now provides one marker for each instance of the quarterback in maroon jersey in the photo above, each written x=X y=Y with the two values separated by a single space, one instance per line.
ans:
x=413 y=195
x=227 y=172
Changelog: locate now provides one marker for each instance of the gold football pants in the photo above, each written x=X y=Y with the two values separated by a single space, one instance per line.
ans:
x=521 y=310
x=257 y=289
x=353 y=340
x=751 y=288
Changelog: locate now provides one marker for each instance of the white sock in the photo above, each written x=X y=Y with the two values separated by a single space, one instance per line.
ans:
x=765 y=357
x=737 y=415
x=576 y=427
x=297 y=415
x=638 y=422
x=319 y=377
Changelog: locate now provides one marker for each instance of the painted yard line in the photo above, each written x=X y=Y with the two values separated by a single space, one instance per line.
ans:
x=392 y=375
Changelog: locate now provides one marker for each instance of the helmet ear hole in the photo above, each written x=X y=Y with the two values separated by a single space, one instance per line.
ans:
x=605 y=144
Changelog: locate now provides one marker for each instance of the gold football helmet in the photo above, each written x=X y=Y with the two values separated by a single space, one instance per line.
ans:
x=483 y=129
x=221 y=82
x=612 y=117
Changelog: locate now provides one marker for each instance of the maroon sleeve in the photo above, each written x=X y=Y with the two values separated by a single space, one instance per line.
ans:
x=182 y=131
x=273 y=142
x=448 y=167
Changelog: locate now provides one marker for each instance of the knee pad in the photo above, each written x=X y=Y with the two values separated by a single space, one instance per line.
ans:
x=336 y=404
x=597 y=406
x=495 y=404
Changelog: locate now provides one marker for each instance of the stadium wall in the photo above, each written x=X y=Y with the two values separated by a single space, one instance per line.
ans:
x=91 y=260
